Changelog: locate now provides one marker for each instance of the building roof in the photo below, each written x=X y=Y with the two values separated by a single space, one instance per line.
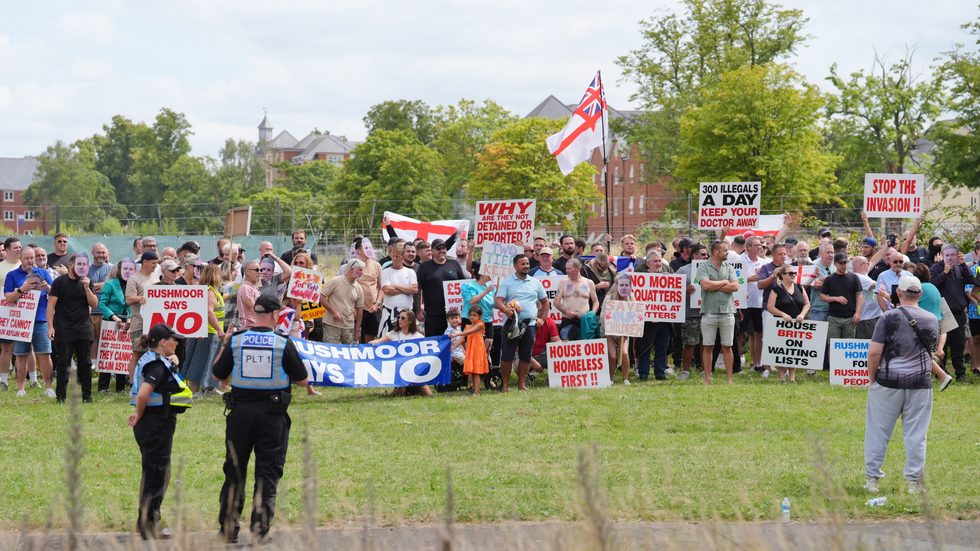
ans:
x=326 y=145
x=17 y=174
x=284 y=140
x=551 y=108
x=265 y=124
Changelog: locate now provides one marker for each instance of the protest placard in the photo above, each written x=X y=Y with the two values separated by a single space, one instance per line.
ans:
x=578 y=364
x=452 y=293
x=849 y=362
x=115 y=349
x=799 y=344
x=662 y=295
x=305 y=284
x=391 y=364
x=310 y=311
x=624 y=318
x=505 y=221
x=17 y=318
x=550 y=284
x=806 y=275
x=498 y=259
x=741 y=296
x=183 y=307
x=893 y=195
x=729 y=205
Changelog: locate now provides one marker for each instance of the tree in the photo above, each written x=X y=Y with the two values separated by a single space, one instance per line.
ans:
x=391 y=170
x=240 y=166
x=682 y=54
x=114 y=154
x=875 y=119
x=464 y=130
x=758 y=123
x=315 y=178
x=957 y=153
x=65 y=175
x=409 y=116
x=517 y=165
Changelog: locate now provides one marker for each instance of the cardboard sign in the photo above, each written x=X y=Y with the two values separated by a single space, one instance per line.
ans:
x=505 y=221
x=409 y=229
x=310 y=311
x=849 y=362
x=729 y=205
x=498 y=259
x=741 y=296
x=183 y=307
x=893 y=195
x=794 y=344
x=578 y=364
x=17 y=318
x=550 y=284
x=115 y=349
x=624 y=318
x=305 y=284
x=238 y=222
x=661 y=294
x=452 y=293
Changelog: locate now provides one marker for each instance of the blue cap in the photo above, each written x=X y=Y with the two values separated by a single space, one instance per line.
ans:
x=869 y=241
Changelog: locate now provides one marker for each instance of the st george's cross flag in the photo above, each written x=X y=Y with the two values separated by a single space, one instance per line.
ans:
x=410 y=228
x=585 y=130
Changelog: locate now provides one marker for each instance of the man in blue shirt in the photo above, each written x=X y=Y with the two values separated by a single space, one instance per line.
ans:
x=529 y=294
x=15 y=286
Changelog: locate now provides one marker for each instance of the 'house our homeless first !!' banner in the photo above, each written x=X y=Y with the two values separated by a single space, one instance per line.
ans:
x=392 y=364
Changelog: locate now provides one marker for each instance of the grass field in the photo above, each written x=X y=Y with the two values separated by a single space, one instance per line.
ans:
x=667 y=451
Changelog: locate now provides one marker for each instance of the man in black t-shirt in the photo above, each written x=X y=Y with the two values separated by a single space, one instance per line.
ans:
x=69 y=303
x=431 y=275
x=299 y=244
x=842 y=292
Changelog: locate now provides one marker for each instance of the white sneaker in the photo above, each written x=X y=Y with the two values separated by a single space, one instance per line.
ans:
x=212 y=392
x=627 y=383
x=49 y=393
x=197 y=395
x=945 y=384
x=685 y=375
x=21 y=394
x=765 y=374
x=916 y=487
x=720 y=362
x=670 y=372
x=810 y=372
x=872 y=485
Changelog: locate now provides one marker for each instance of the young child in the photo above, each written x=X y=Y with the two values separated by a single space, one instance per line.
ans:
x=476 y=352
x=457 y=352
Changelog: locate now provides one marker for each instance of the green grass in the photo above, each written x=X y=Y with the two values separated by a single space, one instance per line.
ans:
x=667 y=451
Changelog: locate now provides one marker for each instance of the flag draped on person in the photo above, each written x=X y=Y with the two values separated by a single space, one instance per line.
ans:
x=585 y=131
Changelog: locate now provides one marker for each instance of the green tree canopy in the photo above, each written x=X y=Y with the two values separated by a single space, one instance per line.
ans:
x=957 y=157
x=464 y=130
x=407 y=116
x=758 y=123
x=516 y=164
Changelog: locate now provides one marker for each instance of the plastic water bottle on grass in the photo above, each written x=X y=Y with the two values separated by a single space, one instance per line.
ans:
x=877 y=502
x=785 y=510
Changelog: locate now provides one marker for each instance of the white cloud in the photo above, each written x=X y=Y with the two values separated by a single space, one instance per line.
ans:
x=91 y=27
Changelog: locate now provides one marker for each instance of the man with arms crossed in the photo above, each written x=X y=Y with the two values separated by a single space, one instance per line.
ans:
x=718 y=281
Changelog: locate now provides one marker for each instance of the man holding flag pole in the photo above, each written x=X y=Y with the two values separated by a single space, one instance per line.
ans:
x=585 y=131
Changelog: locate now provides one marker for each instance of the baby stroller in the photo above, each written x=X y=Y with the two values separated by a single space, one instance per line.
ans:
x=491 y=380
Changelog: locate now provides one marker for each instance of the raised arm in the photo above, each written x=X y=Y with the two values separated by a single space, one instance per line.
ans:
x=915 y=228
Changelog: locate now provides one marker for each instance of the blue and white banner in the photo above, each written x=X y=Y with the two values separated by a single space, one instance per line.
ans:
x=391 y=364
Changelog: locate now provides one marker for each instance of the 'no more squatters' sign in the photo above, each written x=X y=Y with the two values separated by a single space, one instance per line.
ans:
x=729 y=205
x=661 y=294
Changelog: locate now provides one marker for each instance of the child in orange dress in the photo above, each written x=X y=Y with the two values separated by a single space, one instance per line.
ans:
x=475 y=364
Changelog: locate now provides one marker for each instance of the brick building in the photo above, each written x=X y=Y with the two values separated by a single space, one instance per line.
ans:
x=284 y=147
x=15 y=176
x=633 y=200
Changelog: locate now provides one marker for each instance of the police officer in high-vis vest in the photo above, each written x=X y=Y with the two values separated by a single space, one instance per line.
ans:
x=159 y=394
x=260 y=364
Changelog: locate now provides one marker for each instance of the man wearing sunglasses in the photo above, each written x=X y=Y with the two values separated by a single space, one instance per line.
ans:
x=58 y=260
x=887 y=282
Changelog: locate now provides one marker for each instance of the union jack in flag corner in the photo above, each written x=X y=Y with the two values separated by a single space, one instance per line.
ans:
x=585 y=131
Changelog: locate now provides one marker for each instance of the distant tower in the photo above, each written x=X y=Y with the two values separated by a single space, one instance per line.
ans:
x=265 y=130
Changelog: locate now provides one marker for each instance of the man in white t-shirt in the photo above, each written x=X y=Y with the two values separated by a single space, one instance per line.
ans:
x=399 y=285
x=870 y=309
x=751 y=325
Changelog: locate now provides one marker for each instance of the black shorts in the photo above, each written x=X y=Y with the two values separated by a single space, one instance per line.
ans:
x=975 y=327
x=753 y=321
x=370 y=323
x=521 y=347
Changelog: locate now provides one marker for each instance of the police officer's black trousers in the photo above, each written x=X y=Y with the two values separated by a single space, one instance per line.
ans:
x=250 y=427
x=155 y=436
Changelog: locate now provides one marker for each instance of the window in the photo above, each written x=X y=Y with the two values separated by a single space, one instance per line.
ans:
x=631 y=204
x=641 y=204
x=8 y=196
x=335 y=159
x=641 y=172
x=616 y=206
x=28 y=215
x=615 y=175
x=8 y=215
x=602 y=208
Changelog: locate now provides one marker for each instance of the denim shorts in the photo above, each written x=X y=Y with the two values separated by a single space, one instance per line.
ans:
x=39 y=340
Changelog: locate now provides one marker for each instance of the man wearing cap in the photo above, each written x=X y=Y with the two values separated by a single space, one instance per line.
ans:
x=259 y=364
x=950 y=276
x=136 y=298
x=899 y=369
x=546 y=265
x=844 y=296
x=869 y=246
x=520 y=289
x=684 y=254
x=431 y=275
x=791 y=243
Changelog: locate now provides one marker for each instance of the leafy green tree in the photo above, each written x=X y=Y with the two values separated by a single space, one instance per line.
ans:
x=114 y=154
x=517 y=164
x=682 y=53
x=464 y=130
x=391 y=170
x=65 y=175
x=957 y=154
x=240 y=165
x=408 y=116
x=315 y=178
x=758 y=123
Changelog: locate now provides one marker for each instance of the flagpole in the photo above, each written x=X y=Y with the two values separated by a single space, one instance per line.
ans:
x=605 y=162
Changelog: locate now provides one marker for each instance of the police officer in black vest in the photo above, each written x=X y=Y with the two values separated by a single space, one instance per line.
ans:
x=260 y=364
x=159 y=394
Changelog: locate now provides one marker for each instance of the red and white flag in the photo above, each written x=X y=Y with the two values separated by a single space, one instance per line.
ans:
x=585 y=130
x=410 y=228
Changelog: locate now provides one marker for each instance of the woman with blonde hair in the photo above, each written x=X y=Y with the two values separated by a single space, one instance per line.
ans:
x=618 y=347
x=789 y=302
x=202 y=352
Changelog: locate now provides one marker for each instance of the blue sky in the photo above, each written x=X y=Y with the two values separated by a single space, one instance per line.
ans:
x=67 y=67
